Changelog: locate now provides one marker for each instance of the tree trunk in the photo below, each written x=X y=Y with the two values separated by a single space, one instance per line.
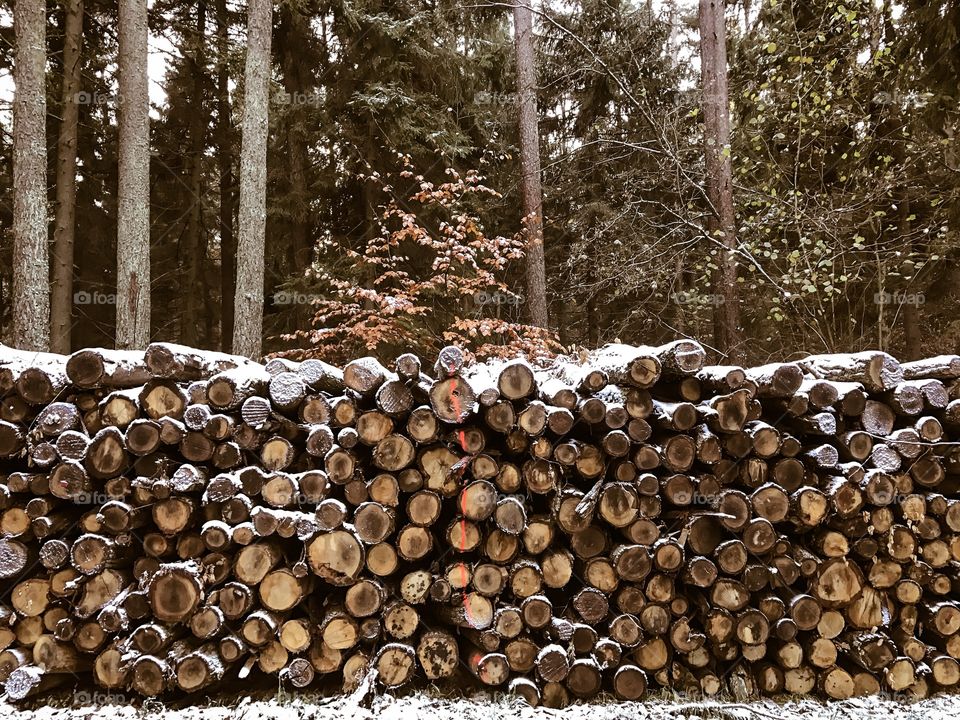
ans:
x=61 y=291
x=31 y=299
x=531 y=190
x=593 y=320
x=194 y=253
x=716 y=135
x=297 y=84
x=679 y=296
x=912 y=337
x=369 y=194
x=248 y=323
x=228 y=248
x=133 y=202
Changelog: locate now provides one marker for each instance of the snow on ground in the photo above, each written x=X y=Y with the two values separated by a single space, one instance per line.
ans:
x=433 y=706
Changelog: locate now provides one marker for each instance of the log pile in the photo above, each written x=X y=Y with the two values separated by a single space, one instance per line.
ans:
x=623 y=521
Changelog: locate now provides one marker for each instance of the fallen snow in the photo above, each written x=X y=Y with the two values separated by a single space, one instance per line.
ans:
x=482 y=706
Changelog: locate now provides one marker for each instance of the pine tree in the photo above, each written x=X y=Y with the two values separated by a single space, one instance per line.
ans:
x=531 y=191
x=31 y=288
x=64 y=232
x=224 y=152
x=248 y=303
x=133 y=206
x=721 y=225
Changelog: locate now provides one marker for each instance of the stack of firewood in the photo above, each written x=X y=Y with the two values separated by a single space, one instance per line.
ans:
x=629 y=519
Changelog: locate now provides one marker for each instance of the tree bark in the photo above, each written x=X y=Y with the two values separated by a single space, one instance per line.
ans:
x=31 y=299
x=61 y=291
x=228 y=247
x=912 y=325
x=194 y=254
x=295 y=51
x=248 y=321
x=296 y=83
x=716 y=137
x=531 y=190
x=133 y=201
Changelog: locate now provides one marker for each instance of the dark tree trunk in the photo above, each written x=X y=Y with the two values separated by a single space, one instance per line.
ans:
x=680 y=286
x=531 y=189
x=295 y=38
x=716 y=131
x=593 y=326
x=297 y=84
x=194 y=249
x=61 y=290
x=912 y=335
x=228 y=247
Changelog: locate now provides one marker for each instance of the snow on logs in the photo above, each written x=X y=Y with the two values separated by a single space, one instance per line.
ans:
x=622 y=521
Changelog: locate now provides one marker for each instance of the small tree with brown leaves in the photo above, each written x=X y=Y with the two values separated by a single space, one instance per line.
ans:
x=431 y=276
